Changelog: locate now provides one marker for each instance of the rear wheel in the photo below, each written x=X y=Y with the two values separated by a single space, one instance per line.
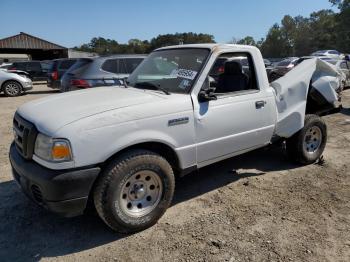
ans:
x=308 y=144
x=12 y=88
x=134 y=191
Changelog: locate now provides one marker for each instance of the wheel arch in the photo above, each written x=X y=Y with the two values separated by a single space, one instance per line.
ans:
x=10 y=80
x=157 y=147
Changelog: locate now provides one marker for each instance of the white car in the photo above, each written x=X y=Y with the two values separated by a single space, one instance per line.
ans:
x=122 y=146
x=14 y=84
x=344 y=67
x=328 y=53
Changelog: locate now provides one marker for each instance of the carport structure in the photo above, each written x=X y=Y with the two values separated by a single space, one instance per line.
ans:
x=36 y=48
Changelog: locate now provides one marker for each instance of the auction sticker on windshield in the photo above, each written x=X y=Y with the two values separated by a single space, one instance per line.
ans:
x=184 y=73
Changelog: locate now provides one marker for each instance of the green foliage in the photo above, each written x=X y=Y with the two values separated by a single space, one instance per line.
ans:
x=249 y=40
x=104 y=46
x=294 y=36
x=299 y=36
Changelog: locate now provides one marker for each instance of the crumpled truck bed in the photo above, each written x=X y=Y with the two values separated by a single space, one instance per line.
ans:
x=292 y=90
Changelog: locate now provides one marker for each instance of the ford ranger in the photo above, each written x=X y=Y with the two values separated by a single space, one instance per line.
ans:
x=122 y=146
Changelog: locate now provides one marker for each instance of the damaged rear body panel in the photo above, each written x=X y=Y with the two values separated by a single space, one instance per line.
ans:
x=311 y=87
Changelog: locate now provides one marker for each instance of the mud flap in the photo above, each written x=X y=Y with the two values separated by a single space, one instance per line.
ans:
x=291 y=92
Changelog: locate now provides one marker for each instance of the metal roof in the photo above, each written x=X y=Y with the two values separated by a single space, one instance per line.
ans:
x=26 y=41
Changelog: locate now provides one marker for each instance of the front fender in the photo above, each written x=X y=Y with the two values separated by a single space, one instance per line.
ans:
x=291 y=92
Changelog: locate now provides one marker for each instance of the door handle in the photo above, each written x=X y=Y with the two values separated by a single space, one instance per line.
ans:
x=260 y=104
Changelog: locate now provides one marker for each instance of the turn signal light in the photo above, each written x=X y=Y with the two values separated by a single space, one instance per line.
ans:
x=61 y=151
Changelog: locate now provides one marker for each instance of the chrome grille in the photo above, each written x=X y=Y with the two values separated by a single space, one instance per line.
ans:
x=24 y=134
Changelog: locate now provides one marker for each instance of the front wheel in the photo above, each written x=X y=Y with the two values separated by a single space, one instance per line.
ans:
x=134 y=191
x=308 y=144
x=12 y=88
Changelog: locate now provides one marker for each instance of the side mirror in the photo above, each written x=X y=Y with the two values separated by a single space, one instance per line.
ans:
x=207 y=92
x=207 y=95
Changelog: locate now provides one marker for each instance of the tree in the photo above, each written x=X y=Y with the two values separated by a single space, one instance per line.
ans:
x=342 y=27
x=275 y=44
x=248 y=40
x=103 y=46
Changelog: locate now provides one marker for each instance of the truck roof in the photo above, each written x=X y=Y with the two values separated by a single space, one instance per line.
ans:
x=211 y=46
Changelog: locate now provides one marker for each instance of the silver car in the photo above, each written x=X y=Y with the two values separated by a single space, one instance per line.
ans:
x=13 y=84
x=344 y=67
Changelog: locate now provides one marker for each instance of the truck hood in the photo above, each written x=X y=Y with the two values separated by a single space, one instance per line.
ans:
x=51 y=113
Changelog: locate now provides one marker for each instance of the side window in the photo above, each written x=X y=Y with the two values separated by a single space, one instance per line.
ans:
x=33 y=66
x=45 y=66
x=110 y=65
x=121 y=67
x=233 y=72
x=131 y=64
x=66 y=64
x=334 y=52
x=20 y=66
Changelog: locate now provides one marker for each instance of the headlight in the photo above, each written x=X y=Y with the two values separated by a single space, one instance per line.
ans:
x=54 y=150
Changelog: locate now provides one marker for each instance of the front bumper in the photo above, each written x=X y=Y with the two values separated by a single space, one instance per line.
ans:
x=27 y=86
x=61 y=191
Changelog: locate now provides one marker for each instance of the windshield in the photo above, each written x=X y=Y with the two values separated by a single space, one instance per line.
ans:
x=173 y=70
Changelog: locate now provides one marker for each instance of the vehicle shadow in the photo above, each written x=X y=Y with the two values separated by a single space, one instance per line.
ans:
x=345 y=111
x=230 y=171
x=30 y=233
x=41 y=92
x=39 y=83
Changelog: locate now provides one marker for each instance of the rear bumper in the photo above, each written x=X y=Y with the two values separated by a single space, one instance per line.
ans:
x=55 y=84
x=61 y=191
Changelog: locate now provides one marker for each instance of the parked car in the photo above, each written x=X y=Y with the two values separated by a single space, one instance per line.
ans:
x=123 y=146
x=303 y=58
x=5 y=65
x=268 y=65
x=344 y=67
x=100 y=71
x=282 y=68
x=341 y=65
x=13 y=84
x=328 y=53
x=58 y=68
x=37 y=70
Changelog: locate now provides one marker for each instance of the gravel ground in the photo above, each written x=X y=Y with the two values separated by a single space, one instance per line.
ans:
x=256 y=207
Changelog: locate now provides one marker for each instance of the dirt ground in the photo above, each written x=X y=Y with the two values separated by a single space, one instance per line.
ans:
x=256 y=207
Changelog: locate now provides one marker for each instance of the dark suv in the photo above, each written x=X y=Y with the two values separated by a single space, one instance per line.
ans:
x=100 y=71
x=57 y=70
x=37 y=70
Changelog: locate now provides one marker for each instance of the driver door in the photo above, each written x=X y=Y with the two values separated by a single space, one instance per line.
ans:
x=237 y=121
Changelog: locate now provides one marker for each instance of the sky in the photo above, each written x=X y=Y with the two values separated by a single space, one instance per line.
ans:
x=74 y=22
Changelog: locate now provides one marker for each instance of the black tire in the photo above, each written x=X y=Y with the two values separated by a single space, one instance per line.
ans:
x=114 y=179
x=273 y=77
x=308 y=153
x=12 y=88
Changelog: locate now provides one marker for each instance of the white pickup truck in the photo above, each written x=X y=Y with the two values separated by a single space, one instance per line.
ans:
x=183 y=108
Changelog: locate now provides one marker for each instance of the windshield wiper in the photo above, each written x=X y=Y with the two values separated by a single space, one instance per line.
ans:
x=152 y=86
